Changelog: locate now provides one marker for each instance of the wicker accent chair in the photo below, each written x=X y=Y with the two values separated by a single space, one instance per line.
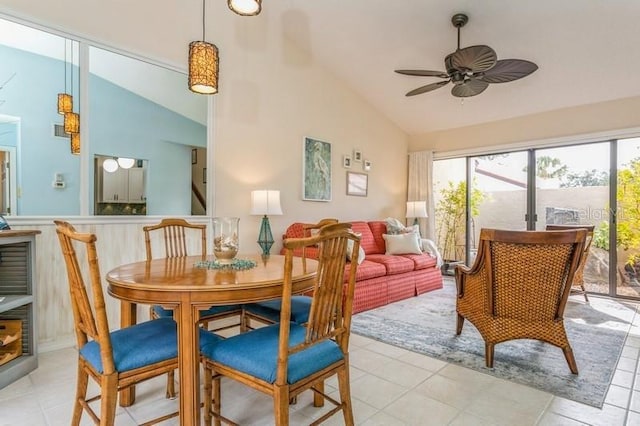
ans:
x=285 y=359
x=115 y=360
x=268 y=312
x=578 y=279
x=175 y=233
x=518 y=287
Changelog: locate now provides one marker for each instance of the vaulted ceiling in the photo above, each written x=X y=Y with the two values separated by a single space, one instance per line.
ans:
x=587 y=52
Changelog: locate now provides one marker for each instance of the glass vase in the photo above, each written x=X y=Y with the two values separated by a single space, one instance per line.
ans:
x=225 y=238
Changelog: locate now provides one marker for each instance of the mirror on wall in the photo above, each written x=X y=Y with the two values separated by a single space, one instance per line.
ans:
x=135 y=109
x=120 y=185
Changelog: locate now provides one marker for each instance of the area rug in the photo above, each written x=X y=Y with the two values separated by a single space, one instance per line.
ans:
x=596 y=331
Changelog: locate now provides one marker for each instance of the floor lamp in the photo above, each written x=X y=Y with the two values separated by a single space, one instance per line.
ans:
x=265 y=202
x=416 y=210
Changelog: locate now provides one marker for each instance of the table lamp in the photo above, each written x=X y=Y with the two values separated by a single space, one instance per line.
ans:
x=416 y=210
x=265 y=202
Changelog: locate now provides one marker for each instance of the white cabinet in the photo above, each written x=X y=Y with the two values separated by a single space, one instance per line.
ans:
x=123 y=186
x=17 y=303
x=136 y=185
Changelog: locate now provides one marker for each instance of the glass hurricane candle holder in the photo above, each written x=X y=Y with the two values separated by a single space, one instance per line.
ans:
x=225 y=238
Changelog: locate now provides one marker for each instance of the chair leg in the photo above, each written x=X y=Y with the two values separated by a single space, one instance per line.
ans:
x=217 y=400
x=171 y=385
x=81 y=395
x=459 y=324
x=488 y=353
x=345 y=395
x=568 y=354
x=108 y=399
x=207 y=396
x=584 y=293
x=318 y=399
x=281 y=405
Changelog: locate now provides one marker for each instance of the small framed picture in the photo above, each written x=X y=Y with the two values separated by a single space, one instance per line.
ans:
x=357 y=184
x=357 y=155
x=346 y=162
x=366 y=165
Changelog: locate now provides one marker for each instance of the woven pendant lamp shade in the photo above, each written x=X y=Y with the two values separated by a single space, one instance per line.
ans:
x=71 y=122
x=203 y=67
x=65 y=103
x=75 y=143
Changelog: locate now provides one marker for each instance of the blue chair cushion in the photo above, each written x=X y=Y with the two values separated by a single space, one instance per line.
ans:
x=256 y=353
x=214 y=310
x=300 y=307
x=142 y=344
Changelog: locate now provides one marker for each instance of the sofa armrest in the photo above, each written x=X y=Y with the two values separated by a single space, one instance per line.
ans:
x=428 y=246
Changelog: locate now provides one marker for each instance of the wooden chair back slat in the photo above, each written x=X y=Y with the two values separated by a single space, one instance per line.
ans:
x=174 y=232
x=90 y=316
x=327 y=319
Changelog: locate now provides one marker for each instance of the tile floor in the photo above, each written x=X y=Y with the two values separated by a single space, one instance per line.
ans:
x=390 y=386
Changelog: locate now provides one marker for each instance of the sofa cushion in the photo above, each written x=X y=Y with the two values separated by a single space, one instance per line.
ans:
x=421 y=261
x=402 y=244
x=367 y=240
x=393 y=264
x=366 y=270
x=378 y=228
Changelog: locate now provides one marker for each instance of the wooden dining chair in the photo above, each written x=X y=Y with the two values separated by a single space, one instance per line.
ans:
x=115 y=360
x=518 y=287
x=285 y=359
x=268 y=311
x=578 y=278
x=175 y=238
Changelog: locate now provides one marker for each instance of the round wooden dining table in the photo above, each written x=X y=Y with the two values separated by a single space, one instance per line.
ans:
x=179 y=283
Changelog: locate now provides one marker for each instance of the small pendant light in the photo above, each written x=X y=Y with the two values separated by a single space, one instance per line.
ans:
x=245 y=7
x=65 y=100
x=203 y=64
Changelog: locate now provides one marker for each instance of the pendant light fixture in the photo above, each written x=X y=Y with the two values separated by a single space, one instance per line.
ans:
x=75 y=143
x=65 y=101
x=203 y=64
x=245 y=7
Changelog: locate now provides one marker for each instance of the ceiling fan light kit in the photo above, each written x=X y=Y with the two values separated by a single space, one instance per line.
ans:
x=472 y=68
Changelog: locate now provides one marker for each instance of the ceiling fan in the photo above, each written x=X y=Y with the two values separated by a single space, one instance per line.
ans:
x=472 y=69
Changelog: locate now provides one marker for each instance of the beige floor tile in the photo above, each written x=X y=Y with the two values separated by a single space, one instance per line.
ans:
x=635 y=401
x=375 y=391
x=414 y=409
x=466 y=419
x=553 y=419
x=633 y=341
x=22 y=410
x=618 y=396
x=607 y=416
x=504 y=411
x=386 y=349
x=623 y=378
x=633 y=419
x=424 y=362
x=383 y=419
x=21 y=387
x=627 y=364
x=359 y=341
x=630 y=352
x=466 y=375
x=448 y=391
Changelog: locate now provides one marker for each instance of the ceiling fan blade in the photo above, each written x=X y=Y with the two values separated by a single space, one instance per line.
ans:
x=507 y=70
x=473 y=58
x=469 y=88
x=427 y=88
x=424 y=73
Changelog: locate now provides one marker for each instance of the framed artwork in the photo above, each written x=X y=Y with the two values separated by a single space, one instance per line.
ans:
x=357 y=155
x=346 y=162
x=316 y=170
x=357 y=184
x=194 y=156
x=366 y=165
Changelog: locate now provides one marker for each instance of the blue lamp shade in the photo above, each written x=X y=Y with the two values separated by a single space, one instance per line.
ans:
x=416 y=210
x=265 y=202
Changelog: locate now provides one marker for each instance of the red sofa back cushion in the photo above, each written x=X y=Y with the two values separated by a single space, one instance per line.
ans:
x=367 y=240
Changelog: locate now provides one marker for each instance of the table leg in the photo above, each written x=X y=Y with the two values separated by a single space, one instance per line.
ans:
x=128 y=317
x=188 y=363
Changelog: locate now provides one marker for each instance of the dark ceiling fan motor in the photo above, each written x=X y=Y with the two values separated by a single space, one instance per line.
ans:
x=472 y=68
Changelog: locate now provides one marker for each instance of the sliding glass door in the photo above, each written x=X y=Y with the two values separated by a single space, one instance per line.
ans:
x=587 y=184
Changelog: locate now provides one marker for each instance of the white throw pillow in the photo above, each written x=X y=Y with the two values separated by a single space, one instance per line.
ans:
x=350 y=249
x=402 y=244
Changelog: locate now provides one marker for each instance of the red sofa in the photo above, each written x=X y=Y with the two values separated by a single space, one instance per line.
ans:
x=381 y=278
